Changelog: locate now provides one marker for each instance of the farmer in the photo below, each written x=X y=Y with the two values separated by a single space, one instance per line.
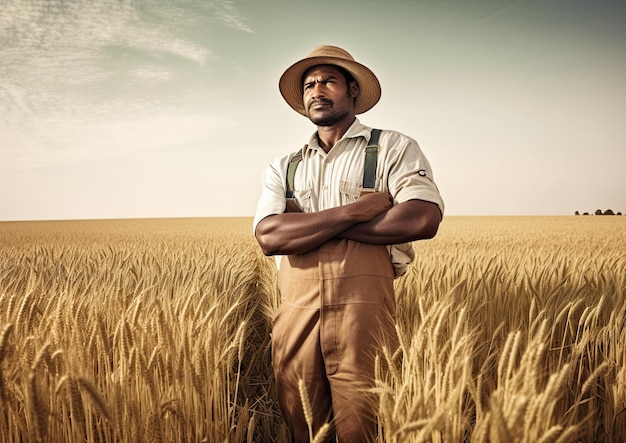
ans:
x=345 y=229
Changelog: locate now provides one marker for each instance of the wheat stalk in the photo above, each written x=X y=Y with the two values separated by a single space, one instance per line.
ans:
x=39 y=409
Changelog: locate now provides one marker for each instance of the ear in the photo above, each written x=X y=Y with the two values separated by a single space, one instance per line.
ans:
x=354 y=89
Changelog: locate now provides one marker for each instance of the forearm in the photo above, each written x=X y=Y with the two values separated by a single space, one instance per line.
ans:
x=298 y=232
x=406 y=222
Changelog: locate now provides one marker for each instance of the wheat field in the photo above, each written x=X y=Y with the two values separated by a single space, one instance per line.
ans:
x=512 y=329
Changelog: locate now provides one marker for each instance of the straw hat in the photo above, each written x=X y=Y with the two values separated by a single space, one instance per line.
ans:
x=290 y=83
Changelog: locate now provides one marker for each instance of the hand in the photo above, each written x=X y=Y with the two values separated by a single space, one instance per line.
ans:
x=369 y=206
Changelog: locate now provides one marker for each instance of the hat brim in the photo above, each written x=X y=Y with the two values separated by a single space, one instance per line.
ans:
x=291 y=88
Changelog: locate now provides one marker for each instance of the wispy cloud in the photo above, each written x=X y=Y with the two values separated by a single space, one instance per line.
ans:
x=83 y=66
x=47 y=45
x=227 y=13
x=499 y=12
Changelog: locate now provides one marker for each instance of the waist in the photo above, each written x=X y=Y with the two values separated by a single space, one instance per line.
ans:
x=338 y=258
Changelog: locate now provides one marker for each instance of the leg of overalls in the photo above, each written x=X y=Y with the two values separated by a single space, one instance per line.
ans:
x=358 y=319
x=296 y=351
x=344 y=312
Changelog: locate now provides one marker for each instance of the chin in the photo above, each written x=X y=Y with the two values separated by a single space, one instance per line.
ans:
x=324 y=120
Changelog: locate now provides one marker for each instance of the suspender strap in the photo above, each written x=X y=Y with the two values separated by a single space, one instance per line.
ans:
x=369 y=171
x=291 y=172
x=371 y=160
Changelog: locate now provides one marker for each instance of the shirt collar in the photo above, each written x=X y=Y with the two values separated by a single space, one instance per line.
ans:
x=354 y=131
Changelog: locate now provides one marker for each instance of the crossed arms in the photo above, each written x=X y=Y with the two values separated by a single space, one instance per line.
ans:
x=370 y=219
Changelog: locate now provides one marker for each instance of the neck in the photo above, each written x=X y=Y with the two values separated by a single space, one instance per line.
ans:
x=327 y=136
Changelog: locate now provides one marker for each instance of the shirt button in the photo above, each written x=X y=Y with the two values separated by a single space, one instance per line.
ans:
x=325 y=187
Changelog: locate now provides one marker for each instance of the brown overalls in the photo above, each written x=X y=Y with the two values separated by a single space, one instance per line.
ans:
x=337 y=311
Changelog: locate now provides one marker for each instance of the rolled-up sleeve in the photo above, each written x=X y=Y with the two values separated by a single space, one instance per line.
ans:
x=410 y=176
x=272 y=199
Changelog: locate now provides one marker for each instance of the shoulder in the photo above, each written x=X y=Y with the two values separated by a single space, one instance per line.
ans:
x=396 y=138
x=395 y=145
x=284 y=159
x=277 y=169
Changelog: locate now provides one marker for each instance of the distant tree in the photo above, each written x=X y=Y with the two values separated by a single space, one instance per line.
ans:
x=600 y=212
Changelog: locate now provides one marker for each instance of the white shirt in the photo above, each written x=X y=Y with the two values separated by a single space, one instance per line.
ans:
x=327 y=180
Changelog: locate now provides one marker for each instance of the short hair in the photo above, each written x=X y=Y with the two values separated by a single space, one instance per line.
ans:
x=349 y=78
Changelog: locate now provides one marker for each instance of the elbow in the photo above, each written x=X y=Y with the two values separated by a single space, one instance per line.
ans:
x=268 y=251
x=424 y=221
x=265 y=243
x=429 y=225
x=267 y=237
x=263 y=237
x=430 y=229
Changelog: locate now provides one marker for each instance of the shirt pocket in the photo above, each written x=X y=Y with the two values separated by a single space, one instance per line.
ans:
x=303 y=199
x=349 y=191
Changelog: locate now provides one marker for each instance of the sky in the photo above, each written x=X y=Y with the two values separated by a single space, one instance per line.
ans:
x=171 y=108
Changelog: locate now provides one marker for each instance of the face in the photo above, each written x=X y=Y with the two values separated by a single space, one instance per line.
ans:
x=328 y=99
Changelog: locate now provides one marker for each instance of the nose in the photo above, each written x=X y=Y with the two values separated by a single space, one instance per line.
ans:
x=316 y=90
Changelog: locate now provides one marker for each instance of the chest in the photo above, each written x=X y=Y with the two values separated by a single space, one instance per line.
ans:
x=326 y=181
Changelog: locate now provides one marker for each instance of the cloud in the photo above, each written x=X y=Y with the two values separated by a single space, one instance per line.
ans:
x=227 y=13
x=151 y=73
x=499 y=12
x=84 y=79
x=58 y=54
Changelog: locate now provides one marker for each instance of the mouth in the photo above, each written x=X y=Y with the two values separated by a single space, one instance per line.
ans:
x=320 y=104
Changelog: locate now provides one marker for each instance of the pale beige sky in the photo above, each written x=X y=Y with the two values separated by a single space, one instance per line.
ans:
x=156 y=108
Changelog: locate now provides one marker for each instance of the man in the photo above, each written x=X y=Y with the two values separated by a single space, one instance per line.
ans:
x=343 y=245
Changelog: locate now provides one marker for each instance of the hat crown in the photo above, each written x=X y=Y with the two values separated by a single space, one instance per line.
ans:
x=330 y=51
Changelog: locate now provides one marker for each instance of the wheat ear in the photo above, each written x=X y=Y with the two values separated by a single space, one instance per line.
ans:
x=321 y=433
x=306 y=407
x=4 y=339
x=95 y=396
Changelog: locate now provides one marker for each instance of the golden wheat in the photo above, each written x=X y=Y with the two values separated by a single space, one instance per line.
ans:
x=511 y=329
x=306 y=406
